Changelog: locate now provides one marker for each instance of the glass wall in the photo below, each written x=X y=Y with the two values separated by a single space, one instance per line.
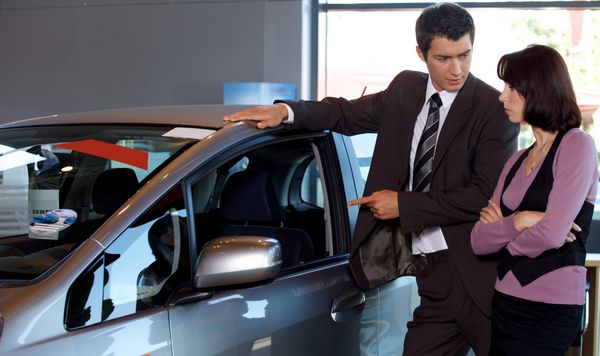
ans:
x=363 y=46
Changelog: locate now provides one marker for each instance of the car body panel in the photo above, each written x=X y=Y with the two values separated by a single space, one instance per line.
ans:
x=209 y=116
x=292 y=318
x=132 y=335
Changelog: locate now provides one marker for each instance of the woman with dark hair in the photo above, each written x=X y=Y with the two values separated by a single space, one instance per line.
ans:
x=152 y=279
x=539 y=215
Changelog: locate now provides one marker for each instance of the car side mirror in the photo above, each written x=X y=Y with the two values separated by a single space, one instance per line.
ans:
x=235 y=260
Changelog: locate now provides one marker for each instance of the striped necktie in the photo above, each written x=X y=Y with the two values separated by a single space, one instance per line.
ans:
x=426 y=147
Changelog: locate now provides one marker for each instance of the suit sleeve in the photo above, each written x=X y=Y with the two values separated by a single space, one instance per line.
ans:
x=349 y=117
x=496 y=142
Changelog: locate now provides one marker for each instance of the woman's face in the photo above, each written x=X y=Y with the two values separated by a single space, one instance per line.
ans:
x=514 y=104
x=168 y=237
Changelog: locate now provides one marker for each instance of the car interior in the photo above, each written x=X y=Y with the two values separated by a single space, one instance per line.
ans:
x=110 y=190
x=249 y=207
x=272 y=191
x=94 y=187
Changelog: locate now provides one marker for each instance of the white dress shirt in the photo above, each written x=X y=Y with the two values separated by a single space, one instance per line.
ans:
x=290 y=118
x=432 y=239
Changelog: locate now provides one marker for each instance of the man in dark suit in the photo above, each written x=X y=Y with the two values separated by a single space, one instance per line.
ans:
x=424 y=204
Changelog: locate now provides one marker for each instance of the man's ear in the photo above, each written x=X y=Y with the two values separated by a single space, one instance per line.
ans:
x=420 y=54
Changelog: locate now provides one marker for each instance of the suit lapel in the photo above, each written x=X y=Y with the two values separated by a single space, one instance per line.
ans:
x=455 y=120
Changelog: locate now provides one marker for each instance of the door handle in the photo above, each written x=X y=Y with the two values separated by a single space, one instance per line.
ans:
x=348 y=305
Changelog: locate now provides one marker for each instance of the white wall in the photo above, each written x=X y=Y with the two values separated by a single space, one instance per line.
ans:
x=60 y=56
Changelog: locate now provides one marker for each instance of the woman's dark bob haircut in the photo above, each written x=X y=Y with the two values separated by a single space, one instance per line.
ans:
x=541 y=76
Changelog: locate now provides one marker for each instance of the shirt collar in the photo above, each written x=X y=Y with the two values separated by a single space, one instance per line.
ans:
x=446 y=96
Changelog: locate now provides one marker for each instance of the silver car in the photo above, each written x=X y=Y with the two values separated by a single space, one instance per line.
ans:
x=159 y=231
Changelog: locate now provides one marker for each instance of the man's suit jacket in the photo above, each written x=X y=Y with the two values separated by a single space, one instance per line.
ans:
x=473 y=144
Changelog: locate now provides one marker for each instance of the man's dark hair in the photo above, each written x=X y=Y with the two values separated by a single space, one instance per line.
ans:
x=540 y=75
x=447 y=20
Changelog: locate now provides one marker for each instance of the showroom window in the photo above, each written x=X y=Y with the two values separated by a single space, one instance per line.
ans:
x=364 y=44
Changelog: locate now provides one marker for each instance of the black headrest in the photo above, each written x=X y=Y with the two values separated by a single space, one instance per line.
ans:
x=249 y=196
x=112 y=188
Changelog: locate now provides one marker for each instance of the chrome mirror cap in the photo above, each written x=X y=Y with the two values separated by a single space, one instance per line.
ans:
x=237 y=260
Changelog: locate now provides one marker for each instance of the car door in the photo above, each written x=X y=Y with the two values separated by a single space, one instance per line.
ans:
x=389 y=307
x=312 y=307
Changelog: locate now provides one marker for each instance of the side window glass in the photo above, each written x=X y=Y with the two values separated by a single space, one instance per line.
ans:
x=273 y=191
x=311 y=191
x=364 y=145
x=85 y=299
x=137 y=271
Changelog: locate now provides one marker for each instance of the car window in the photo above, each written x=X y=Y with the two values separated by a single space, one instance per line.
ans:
x=311 y=190
x=364 y=145
x=276 y=192
x=157 y=154
x=59 y=184
x=137 y=271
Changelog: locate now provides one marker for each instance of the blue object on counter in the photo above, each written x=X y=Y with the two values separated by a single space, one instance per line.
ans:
x=47 y=218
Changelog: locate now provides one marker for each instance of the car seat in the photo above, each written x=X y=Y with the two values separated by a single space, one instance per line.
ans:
x=250 y=207
x=111 y=189
x=10 y=251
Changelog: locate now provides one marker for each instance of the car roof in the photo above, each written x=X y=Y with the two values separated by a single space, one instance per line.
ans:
x=207 y=116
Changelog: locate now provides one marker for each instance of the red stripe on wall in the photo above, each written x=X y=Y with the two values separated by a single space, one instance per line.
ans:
x=109 y=151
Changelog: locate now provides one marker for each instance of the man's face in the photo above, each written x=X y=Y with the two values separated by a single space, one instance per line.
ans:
x=448 y=62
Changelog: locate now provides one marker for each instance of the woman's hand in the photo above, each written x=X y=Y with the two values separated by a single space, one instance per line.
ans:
x=491 y=213
x=570 y=236
x=526 y=219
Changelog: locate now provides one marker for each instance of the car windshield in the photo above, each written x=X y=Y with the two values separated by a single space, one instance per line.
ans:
x=58 y=184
